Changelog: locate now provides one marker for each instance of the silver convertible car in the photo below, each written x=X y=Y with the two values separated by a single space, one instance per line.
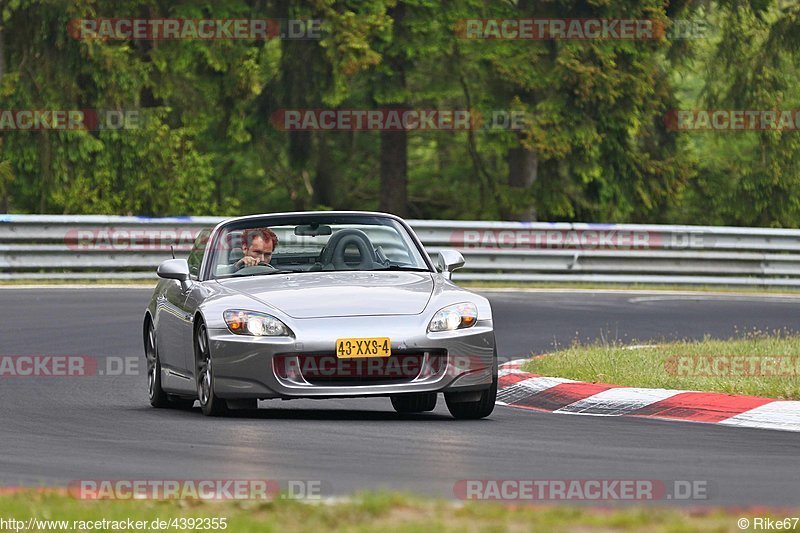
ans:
x=317 y=305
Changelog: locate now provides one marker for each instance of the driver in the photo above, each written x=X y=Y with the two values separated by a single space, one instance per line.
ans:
x=257 y=247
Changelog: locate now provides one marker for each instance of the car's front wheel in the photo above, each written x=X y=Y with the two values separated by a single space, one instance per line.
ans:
x=210 y=403
x=414 y=403
x=158 y=398
x=475 y=409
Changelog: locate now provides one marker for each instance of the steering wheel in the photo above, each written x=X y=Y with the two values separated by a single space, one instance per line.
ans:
x=260 y=268
x=333 y=254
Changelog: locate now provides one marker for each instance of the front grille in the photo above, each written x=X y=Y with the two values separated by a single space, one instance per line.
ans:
x=327 y=369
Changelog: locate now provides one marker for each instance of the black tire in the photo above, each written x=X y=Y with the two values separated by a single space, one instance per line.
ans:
x=478 y=409
x=210 y=403
x=414 y=403
x=158 y=398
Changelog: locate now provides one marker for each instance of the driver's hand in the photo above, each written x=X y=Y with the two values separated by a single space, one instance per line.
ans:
x=246 y=261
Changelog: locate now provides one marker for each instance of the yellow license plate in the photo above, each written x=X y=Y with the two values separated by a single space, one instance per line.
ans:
x=365 y=347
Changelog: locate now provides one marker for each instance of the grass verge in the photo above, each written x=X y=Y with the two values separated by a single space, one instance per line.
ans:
x=757 y=364
x=373 y=512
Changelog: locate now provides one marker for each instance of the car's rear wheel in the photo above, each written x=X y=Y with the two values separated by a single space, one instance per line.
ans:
x=414 y=403
x=476 y=409
x=210 y=403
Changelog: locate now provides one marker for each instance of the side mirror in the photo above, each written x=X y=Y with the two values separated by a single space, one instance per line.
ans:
x=174 y=269
x=450 y=260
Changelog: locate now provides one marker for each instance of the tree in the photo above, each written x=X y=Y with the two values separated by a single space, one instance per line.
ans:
x=591 y=106
x=750 y=177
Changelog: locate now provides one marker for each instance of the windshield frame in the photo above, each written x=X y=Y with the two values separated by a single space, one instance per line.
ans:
x=321 y=217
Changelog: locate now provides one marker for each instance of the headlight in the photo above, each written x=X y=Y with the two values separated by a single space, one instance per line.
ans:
x=452 y=317
x=257 y=324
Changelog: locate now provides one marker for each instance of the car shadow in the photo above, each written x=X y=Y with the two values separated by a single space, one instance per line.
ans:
x=328 y=415
x=306 y=413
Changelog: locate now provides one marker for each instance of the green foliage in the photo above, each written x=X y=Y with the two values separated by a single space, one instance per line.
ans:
x=594 y=112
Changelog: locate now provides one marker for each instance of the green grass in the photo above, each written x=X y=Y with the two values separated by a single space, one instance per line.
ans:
x=379 y=512
x=657 y=367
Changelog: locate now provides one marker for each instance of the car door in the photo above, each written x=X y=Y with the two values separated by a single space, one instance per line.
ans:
x=176 y=321
x=194 y=296
x=172 y=319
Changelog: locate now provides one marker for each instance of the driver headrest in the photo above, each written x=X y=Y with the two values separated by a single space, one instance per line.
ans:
x=234 y=255
x=327 y=252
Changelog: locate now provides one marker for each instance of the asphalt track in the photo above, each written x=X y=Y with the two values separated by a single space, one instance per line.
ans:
x=55 y=430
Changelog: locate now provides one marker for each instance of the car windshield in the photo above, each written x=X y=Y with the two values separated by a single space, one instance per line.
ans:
x=299 y=244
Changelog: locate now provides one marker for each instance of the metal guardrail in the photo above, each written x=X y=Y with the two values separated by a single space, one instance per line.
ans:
x=112 y=247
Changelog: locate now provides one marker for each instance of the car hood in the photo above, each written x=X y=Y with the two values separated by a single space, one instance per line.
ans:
x=336 y=294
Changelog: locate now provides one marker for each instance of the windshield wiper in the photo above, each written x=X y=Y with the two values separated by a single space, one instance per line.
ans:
x=401 y=268
x=267 y=273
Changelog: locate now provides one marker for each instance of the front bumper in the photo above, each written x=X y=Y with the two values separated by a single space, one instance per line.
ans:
x=256 y=367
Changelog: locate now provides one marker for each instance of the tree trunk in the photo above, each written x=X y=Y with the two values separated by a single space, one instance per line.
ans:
x=2 y=55
x=44 y=170
x=297 y=60
x=6 y=192
x=523 y=167
x=323 y=180
x=394 y=176
x=523 y=164
x=394 y=144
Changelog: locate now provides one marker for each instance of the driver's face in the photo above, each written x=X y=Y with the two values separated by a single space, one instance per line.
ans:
x=259 y=250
